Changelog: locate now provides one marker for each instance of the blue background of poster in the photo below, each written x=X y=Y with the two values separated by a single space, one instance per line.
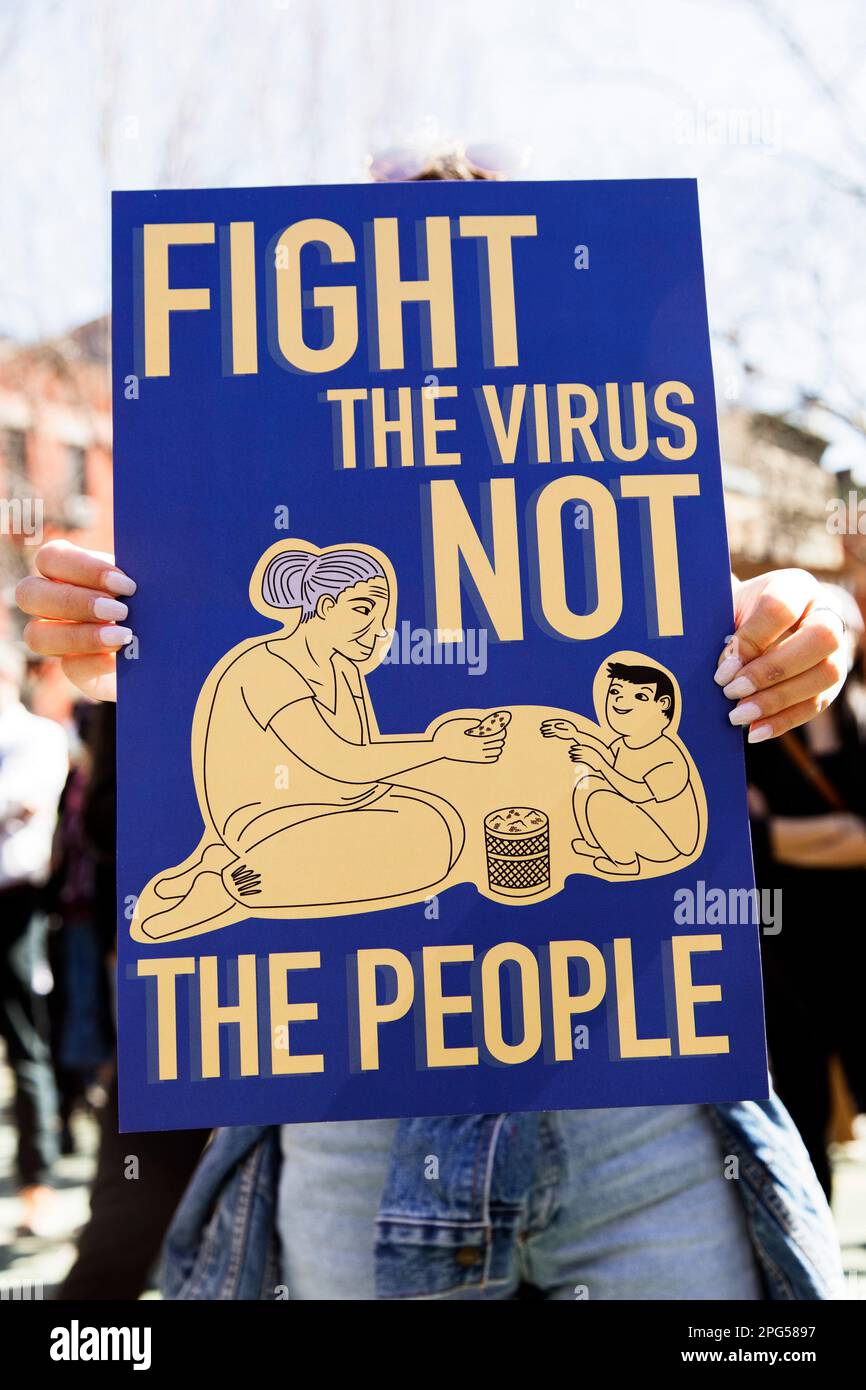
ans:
x=202 y=458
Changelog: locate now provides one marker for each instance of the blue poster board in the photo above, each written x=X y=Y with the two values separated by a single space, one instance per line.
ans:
x=428 y=802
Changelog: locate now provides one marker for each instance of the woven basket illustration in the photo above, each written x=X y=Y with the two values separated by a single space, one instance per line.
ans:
x=517 y=843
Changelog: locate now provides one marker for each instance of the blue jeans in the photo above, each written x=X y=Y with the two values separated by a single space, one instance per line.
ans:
x=24 y=1030
x=626 y=1204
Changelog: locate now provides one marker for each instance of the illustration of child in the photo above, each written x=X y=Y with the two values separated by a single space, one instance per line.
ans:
x=634 y=798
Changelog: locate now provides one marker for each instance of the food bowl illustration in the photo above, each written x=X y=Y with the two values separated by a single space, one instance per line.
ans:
x=517 y=844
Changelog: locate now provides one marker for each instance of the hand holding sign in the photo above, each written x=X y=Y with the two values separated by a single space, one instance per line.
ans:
x=787 y=660
x=75 y=603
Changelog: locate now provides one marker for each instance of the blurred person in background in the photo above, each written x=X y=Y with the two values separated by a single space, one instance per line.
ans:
x=119 y=1246
x=807 y=796
x=33 y=767
x=633 y=1199
x=82 y=1033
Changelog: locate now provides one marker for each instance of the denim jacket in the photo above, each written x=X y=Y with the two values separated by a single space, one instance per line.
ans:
x=435 y=1238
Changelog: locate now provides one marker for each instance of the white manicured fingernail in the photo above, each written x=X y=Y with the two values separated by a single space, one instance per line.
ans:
x=760 y=732
x=109 y=610
x=744 y=714
x=115 y=636
x=118 y=583
x=728 y=668
x=739 y=688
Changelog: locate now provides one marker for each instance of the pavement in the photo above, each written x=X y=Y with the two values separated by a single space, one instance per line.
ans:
x=849 y=1209
x=30 y=1267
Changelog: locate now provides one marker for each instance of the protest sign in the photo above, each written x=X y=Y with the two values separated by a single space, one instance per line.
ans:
x=428 y=802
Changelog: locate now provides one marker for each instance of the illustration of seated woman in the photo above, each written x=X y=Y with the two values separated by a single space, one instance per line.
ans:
x=633 y=797
x=292 y=775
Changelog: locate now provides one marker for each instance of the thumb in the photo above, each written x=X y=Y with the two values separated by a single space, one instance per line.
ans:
x=460 y=721
x=765 y=609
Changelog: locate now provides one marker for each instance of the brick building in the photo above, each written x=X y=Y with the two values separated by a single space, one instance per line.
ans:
x=55 y=464
x=776 y=496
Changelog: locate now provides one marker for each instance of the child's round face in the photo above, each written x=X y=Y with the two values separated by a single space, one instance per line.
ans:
x=634 y=709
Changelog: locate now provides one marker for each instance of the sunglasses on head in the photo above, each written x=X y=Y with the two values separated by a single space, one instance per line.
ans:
x=410 y=163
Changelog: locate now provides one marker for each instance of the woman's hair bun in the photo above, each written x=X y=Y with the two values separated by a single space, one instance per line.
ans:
x=297 y=579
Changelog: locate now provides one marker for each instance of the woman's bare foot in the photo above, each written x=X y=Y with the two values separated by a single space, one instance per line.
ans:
x=206 y=902
x=584 y=847
x=609 y=866
x=215 y=859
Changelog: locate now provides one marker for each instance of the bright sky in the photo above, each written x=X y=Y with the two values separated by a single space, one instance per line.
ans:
x=96 y=94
